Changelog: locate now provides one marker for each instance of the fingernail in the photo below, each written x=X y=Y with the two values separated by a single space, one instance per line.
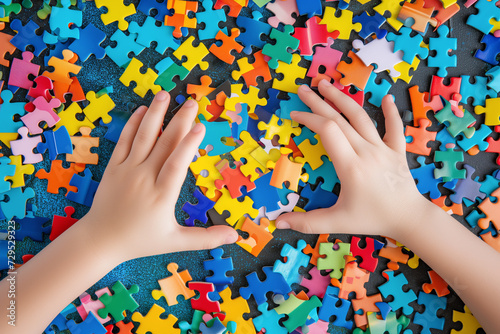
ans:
x=162 y=95
x=190 y=103
x=283 y=225
x=392 y=97
x=231 y=238
x=325 y=82
x=305 y=88
x=197 y=128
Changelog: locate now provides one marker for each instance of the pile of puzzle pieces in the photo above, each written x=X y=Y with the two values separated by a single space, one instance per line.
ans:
x=255 y=162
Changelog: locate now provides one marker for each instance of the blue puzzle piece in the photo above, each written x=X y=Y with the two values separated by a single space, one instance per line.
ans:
x=65 y=21
x=86 y=188
x=216 y=327
x=444 y=137
x=426 y=183
x=305 y=134
x=442 y=45
x=89 y=43
x=124 y=45
x=219 y=267
x=198 y=211
x=273 y=104
x=60 y=320
x=32 y=226
x=295 y=259
x=377 y=90
x=479 y=90
x=6 y=170
x=318 y=198
x=330 y=308
x=310 y=7
x=274 y=283
x=26 y=35
x=115 y=127
x=394 y=287
x=56 y=142
x=56 y=51
x=4 y=260
x=490 y=183
x=326 y=172
x=160 y=6
x=473 y=217
x=90 y=325
x=370 y=25
x=292 y=104
x=384 y=309
x=7 y=112
x=149 y=32
x=215 y=132
x=429 y=319
x=491 y=51
x=494 y=75
x=265 y=195
x=15 y=206
x=253 y=31
x=211 y=18
x=269 y=320
x=487 y=10
x=410 y=45
x=478 y=138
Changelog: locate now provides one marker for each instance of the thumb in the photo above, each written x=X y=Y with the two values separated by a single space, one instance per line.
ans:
x=207 y=238
x=313 y=222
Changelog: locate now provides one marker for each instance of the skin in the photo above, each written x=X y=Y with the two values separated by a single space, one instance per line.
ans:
x=378 y=197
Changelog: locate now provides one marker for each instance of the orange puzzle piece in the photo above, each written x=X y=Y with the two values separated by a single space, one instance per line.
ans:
x=437 y=283
x=420 y=138
x=82 y=146
x=180 y=17
x=353 y=279
x=223 y=52
x=356 y=73
x=285 y=170
x=420 y=106
x=394 y=254
x=59 y=177
x=199 y=91
x=173 y=286
x=314 y=252
x=366 y=304
x=62 y=68
x=258 y=238
x=491 y=210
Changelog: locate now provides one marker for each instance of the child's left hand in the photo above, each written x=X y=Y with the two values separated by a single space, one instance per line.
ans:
x=134 y=208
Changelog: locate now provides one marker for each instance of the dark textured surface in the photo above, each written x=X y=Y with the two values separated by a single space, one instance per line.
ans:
x=97 y=74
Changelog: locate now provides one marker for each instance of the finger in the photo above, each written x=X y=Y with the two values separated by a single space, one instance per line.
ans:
x=313 y=222
x=197 y=238
x=336 y=144
x=150 y=127
x=173 y=172
x=356 y=115
x=394 y=129
x=321 y=107
x=176 y=130
x=122 y=148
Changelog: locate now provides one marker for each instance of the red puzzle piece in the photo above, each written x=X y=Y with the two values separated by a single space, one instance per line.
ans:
x=448 y=92
x=62 y=223
x=260 y=69
x=313 y=34
x=369 y=261
x=233 y=178
x=203 y=302
x=329 y=58
x=420 y=106
x=234 y=6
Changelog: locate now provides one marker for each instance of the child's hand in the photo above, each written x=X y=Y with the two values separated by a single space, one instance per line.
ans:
x=133 y=210
x=377 y=189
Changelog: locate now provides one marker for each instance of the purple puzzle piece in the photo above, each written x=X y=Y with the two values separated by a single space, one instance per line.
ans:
x=466 y=188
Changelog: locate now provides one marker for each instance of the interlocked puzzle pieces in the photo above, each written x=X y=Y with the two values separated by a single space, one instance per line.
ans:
x=174 y=285
x=120 y=301
x=144 y=81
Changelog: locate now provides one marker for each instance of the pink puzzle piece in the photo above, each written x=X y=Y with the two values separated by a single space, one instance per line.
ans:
x=25 y=147
x=329 y=58
x=44 y=111
x=317 y=284
x=283 y=10
x=21 y=69
x=90 y=305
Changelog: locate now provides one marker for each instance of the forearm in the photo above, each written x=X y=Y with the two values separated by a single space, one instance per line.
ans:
x=469 y=265
x=53 y=278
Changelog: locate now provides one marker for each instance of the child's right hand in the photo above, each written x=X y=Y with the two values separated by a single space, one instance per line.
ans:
x=377 y=190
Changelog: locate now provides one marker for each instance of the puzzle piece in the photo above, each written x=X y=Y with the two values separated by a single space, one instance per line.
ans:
x=233 y=179
x=199 y=210
x=328 y=58
x=331 y=308
x=70 y=120
x=286 y=170
x=160 y=6
x=466 y=188
x=56 y=142
x=417 y=16
x=343 y=23
x=420 y=104
x=234 y=310
x=274 y=282
x=193 y=54
x=17 y=180
x=477 y=142
x=487 y=10
x=155 y=322
x=173 y=286
x=478 y=90
x=180 y=17
x=144 y=81
x=362 y=307
x=291 y=72
x=370 y=24
x=298 y=316
x=468 y=321
x=295 y=259
x=429 y=319
x=149 y=32
x=235 y=207
x=437 y=284
x=62 y=223
x=455 y=124
x=489 y=208
x=86 y=188
x=284 y=128
x=269 y=320
x=355 y=73
x=65 y=22
x=25 y=146
x=313 y=34
x=369 y=262
x=252 y=32
x=353 y=280
x=203 y=302
x=125 y=44
x=8 y=110
x=442 y=45
x=250 y=98
x=411 y=45
x=212 y=19
x=334 y=257
x=90 y=325
x=119 y=302
x=219 y=267
x=44 y=112
x=214 y=134
x=318 y=198
x=449 y=170
x=62 y=68
x=377 y=90
x=82 y=146
x=89 y=305
x=394 y=287
x=279 y=50
x=26 y=35
x=117 y=11
x=58 y=177
x=424 y=175
x=5 y=48
x=418 y=139
x=380 y=52
x=228 y=44
x=6 y=170
x=21 y=70
x=283 y=11
x=490 y=111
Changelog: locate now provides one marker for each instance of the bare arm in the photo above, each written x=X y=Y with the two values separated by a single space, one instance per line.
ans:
x=138 y=193
x=379 y=197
